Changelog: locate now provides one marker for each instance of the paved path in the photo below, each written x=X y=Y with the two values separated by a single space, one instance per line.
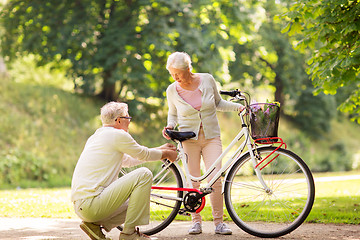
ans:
x=44 y=228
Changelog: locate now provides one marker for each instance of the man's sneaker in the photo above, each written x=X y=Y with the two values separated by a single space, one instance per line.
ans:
x=135 y=236
x=93 y=231
x=223 y=229
x=195 y=229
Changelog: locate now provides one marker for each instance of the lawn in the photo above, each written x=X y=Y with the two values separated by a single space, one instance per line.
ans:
x=336 y=201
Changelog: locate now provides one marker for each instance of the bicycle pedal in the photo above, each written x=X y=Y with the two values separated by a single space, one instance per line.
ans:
x=183 y=212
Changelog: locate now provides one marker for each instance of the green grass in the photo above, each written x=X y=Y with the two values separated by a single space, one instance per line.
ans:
x=46 y=203
x=336 y=202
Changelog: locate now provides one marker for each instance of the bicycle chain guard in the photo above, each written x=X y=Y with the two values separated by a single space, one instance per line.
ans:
x=194 y=201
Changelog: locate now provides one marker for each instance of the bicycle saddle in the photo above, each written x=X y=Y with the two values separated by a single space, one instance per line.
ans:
x=180 y=136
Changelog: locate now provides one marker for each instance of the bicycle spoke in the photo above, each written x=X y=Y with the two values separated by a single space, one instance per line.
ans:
x=279 y=209
x=248 y=186
x=164 y=204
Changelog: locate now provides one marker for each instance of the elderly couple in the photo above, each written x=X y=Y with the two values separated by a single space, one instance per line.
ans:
x=103 y=200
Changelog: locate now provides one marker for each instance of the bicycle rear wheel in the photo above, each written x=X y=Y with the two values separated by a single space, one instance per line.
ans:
x=273 y=213
x=164 y=204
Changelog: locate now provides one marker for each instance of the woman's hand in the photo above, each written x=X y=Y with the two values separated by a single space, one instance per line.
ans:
x=164 y=133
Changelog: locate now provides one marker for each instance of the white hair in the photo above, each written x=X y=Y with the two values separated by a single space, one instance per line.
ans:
x=113 y=110
x=179 y=60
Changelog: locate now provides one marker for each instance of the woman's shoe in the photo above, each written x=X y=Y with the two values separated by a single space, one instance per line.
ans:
x=195 y=228
x=222 y=229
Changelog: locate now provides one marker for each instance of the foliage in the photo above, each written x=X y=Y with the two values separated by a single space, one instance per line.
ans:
x=328 y=153
x=330 y=29
x=313 y=114
x=42 y=128
x=268 y=57
x=118 y=48
x=17 y=165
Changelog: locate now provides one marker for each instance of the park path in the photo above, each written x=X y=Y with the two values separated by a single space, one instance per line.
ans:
x=45 y=228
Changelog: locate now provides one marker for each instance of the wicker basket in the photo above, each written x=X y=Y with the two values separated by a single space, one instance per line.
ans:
x=264 y=120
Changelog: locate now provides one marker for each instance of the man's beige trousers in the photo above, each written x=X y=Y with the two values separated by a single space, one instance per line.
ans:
x=126 y=200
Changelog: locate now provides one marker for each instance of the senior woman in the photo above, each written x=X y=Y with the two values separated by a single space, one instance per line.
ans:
x=193 y=100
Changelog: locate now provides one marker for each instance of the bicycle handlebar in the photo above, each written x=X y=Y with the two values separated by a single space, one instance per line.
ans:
x=232 y=93
x=237 y=95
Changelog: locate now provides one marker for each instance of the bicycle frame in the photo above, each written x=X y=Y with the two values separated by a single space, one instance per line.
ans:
x=188 y=178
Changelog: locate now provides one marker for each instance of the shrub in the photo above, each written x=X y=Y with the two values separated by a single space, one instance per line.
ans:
x=17 y=166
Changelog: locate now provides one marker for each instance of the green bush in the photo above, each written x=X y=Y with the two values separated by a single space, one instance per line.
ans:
x=313 y=114
x=19 y=166
x=336 y=159
x=43 y=127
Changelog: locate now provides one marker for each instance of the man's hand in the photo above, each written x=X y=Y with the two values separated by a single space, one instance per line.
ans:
x=170 y=155
x=168 y=152
x=167 y=146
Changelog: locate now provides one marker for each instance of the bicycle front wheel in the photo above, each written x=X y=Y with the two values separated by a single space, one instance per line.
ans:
x=164 y=204
x=280 y=208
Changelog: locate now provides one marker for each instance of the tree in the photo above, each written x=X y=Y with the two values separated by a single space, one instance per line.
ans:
x=118 y=48
x=268 y=57
x=330 y=29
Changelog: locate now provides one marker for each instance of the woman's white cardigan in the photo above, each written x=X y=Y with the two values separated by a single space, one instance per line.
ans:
x=188 y=118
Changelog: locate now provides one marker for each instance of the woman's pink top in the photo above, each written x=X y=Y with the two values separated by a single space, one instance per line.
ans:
x=191 y=97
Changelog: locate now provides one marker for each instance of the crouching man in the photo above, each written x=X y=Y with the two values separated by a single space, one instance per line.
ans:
x=102 y=199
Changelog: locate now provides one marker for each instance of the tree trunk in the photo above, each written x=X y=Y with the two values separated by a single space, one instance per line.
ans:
x=108 y=88
x=279 y=96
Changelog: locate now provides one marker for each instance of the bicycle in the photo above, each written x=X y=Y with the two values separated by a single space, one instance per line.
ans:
x=268 y=190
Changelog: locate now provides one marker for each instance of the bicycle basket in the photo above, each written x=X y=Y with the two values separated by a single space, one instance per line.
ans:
x=264 y=120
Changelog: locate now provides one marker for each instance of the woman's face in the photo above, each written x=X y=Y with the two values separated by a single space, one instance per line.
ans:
x=180 y=75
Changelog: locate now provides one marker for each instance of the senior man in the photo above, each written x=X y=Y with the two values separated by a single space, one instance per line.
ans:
x=102 y=199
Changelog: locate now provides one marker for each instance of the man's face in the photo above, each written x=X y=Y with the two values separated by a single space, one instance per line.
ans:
x=123 y=122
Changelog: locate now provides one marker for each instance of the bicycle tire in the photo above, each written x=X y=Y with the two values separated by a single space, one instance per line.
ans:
x=284 y=208
x=163 y=211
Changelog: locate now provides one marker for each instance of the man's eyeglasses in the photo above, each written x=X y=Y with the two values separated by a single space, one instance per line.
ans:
x=126 y=117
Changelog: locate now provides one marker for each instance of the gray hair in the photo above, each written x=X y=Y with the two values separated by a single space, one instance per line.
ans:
x=179 y=60
x=113 y=110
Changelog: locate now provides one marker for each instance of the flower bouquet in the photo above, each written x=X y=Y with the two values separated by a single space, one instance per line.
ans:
x=264 y=120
